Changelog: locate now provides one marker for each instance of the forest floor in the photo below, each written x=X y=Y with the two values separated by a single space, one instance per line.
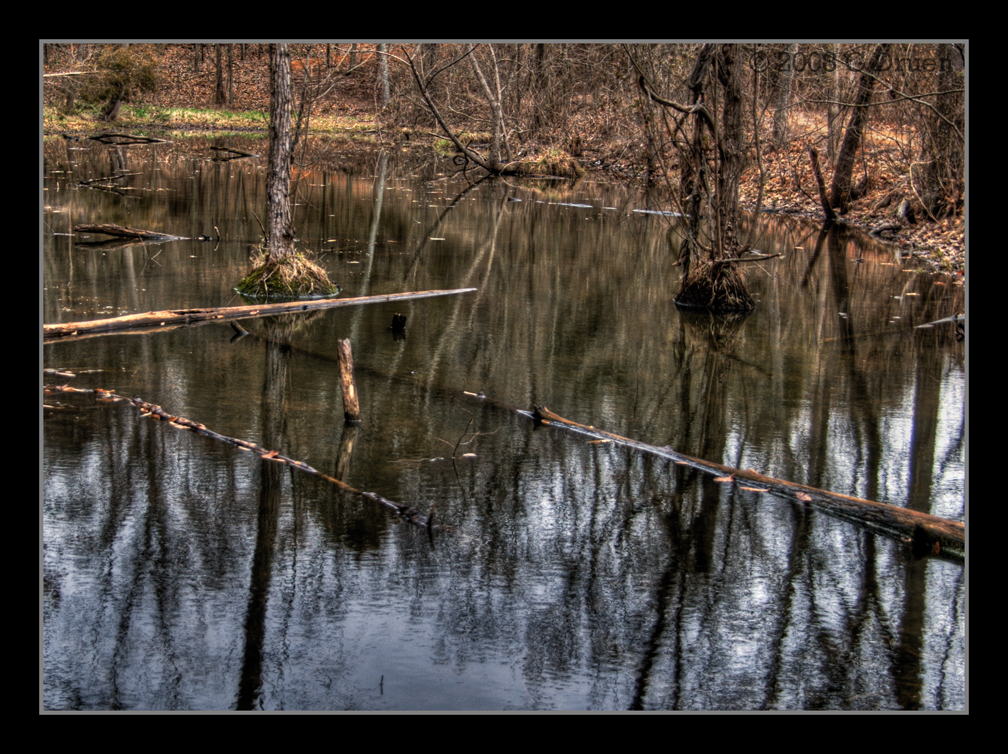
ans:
x=183 y=100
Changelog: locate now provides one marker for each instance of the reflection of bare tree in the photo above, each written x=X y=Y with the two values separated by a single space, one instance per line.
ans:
x=592 y=575
x=274 y=421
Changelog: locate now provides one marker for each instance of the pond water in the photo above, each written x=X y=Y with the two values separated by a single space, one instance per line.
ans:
x=180 y=573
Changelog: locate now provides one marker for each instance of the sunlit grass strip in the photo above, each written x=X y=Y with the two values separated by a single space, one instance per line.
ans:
x=86 y=119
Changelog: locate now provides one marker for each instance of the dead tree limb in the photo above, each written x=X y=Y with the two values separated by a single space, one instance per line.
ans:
x=923 y=531
x=489 y=165
x=161 y=320
x=406 y=512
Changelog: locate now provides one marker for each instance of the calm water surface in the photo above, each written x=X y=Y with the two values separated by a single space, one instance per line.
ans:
x=184 y=573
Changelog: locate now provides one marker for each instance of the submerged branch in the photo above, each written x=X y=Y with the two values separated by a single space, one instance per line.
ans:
x=406 y=512
x=120 y=231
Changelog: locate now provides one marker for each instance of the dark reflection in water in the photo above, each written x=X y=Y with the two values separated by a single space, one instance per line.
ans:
x=180 y=573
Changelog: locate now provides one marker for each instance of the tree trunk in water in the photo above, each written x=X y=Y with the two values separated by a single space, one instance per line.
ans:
x=710 y=281
x=840 y=193
x=730 y=146
x=278 y=181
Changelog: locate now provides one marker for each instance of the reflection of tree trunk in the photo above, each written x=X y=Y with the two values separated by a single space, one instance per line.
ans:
x=864 y=411
x=907 y=664
x=927 y=399
x=668 y=598
x=270 y=495
x=250 y=684
x=379 y=198
x=346 y=447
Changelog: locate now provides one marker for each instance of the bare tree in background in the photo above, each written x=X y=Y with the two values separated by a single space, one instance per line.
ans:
x=841 y=192
x=942 y=188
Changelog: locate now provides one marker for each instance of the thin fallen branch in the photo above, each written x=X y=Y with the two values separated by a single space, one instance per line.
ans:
x=756 y=256
x=407 y=513
x=120 y=231
x=161 y=320
x=926 y=533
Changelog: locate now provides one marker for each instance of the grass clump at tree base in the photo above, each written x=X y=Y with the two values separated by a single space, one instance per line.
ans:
x=714 y=287
x=555 y=162
x=293 y=276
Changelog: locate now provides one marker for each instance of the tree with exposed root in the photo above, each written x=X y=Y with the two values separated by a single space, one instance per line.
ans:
x=708 y=133
x=279 y=270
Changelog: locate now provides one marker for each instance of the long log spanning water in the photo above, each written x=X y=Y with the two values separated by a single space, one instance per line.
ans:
x=927 y=533
x=179 y=317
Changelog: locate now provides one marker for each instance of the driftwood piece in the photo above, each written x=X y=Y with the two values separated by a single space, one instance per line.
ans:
x=406 y=512
x=182 y=317
x=120 y=231
x=926 y=533
x=890 y=227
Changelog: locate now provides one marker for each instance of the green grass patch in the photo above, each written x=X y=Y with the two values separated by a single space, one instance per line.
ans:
x=295 y=276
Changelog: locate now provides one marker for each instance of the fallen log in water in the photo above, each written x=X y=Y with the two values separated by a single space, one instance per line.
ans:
x=180 y=317
x=406 y=512
x=926 y=533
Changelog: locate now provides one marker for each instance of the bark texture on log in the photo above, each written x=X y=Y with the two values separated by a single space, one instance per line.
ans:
x=180 y=317
x=348 y=386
